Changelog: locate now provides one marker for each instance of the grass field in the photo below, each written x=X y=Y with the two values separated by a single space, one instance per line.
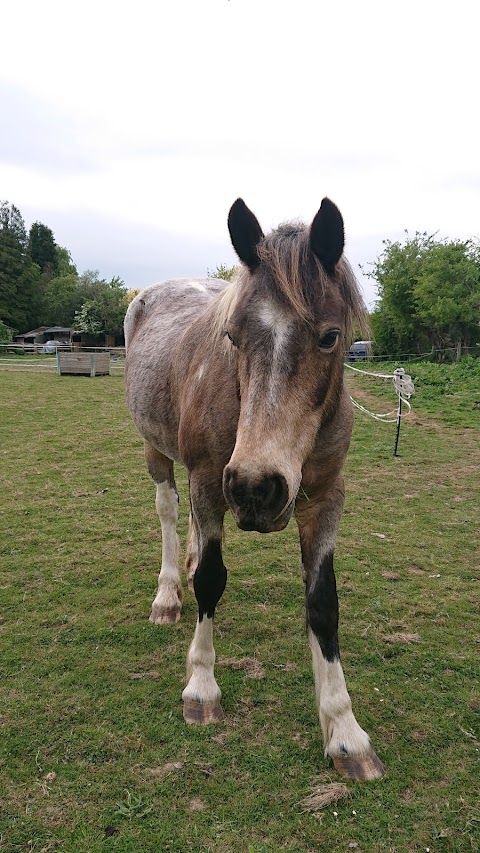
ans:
x=94 y=753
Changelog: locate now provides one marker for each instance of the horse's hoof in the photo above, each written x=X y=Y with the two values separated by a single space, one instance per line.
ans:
x=164 y=616
x=361 y=769
x=202 y=713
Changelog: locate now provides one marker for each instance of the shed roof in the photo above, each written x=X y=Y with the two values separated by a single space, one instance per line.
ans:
x=32 y=332
x=41 y=330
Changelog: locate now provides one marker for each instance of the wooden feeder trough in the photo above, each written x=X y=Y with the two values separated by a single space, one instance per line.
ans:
x=83 y=363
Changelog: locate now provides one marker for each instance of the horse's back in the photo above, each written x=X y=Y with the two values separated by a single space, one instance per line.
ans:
x=154 y=324
x=169 y=306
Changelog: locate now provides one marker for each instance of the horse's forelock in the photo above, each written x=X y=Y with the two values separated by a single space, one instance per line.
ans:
x=286 y=255
x=302 y=280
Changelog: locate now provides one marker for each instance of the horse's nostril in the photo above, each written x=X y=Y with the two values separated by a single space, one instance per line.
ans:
x=270 y=494
x=228 y=478
x=268 y=491
x=276 y=491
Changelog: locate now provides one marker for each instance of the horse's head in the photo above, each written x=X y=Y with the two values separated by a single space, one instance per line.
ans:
x=288 y=323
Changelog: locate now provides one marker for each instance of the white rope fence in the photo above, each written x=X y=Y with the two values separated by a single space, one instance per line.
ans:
x=404 y=387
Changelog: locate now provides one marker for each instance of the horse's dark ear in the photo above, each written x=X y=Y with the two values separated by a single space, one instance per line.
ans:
x=245 y=233
x=327 y=235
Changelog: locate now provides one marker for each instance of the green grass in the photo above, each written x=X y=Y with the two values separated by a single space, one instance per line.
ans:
x=91 y=692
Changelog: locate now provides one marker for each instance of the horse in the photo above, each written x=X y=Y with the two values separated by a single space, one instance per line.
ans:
x=242 y=383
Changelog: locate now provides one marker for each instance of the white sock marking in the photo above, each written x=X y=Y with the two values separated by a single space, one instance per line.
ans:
x=341 y=731
x=202 y=686
x=169 y=582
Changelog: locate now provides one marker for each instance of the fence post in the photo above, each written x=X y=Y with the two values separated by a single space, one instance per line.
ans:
x=400 y=373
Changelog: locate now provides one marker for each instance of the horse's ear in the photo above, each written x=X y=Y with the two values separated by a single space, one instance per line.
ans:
x=327 y=235
x=245 y=233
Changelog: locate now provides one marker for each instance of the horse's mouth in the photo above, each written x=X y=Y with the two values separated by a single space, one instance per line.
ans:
x=262 y=524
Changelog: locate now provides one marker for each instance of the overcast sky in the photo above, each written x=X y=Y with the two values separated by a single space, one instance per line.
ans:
x=130 y=128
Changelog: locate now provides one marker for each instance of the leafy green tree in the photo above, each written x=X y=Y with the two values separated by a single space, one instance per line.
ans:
x=61 y=299
x=222 y=271
x=43 y=249
x=447 y=294
x=19 y=275
x=395 y=322
x=103 y=312
x=429 y=294
x=85 y=301
x=65 y=265
x=29 y=296
x=12 y=249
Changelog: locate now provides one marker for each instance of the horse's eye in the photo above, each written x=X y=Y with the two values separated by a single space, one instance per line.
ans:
x=230 y=338
x=329 y=340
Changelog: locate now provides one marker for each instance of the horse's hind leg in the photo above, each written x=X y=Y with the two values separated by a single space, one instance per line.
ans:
x=168 y=600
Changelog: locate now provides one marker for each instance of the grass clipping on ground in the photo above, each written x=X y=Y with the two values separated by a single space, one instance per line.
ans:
x=324 y=795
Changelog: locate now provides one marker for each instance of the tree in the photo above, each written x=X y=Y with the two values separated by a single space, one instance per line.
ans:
x=43 y=249
x=19 y=275
x=447 y=293
x=221 y=271
x=429 y=294
x=395 y=322
x=65 y=265
x=103 y=312
x=12 y=239
x=29 y=296
x=61 y=299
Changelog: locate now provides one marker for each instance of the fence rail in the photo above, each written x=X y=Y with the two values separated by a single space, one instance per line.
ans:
x=39 y=349
x=47 y=364
x=24 y=357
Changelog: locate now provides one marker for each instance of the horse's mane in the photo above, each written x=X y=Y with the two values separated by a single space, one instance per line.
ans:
x=300 y=279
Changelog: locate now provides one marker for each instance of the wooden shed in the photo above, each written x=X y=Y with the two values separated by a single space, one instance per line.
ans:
x=83 y=363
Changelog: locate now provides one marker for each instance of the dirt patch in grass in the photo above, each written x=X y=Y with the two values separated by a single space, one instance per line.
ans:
x=158 y=773
x=324 y=795
x=251 y=666
x=401 y=637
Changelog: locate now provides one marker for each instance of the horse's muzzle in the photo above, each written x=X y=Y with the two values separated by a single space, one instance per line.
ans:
x=260 y=505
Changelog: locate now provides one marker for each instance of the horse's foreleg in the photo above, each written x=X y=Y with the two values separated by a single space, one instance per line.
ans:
x=168 y=600
x=345 y=741
x=201 y=697
x=191 y=559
